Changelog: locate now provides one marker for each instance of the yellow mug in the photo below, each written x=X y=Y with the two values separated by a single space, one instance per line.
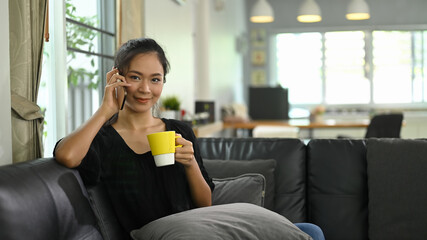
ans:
x=163 y=146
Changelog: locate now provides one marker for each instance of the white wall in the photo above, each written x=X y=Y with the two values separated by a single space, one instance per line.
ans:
x=226 y=62
x=170 y=25
x=5 y=109
x=173 y=26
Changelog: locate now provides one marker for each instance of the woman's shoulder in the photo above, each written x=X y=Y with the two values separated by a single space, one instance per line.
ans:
x=106 y=130
x=106 y=135
x=174 y=122
x=176 y=125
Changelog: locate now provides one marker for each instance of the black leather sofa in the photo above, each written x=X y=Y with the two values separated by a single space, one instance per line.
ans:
x=352 y=189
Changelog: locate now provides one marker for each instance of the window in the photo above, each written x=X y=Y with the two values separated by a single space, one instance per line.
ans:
x=345 y=81
x=353 y=67
x=90 y=47
x=392 y=61
x=90 y=29
x=299 y=60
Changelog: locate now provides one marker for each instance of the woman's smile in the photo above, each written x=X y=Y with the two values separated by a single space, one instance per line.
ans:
x=143 y=100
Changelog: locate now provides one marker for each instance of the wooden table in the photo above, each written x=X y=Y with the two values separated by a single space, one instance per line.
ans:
x=207 y=130
x=300 y=123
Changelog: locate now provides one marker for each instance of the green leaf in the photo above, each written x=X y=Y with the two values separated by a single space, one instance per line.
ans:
x=171 y=103
x=81 y=38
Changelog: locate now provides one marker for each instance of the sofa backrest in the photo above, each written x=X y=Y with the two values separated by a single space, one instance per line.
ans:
x=328 y=182
x=337 y=189
x=289 y=174
x=42 y=200
x=396 y=188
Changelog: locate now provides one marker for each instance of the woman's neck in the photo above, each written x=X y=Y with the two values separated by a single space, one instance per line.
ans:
x=137 y=121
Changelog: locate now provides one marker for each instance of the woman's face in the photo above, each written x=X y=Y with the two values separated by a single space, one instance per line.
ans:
x=145 y=74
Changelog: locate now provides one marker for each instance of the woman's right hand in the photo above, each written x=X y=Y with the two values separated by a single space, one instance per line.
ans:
x=71 y=150
x=110 y=102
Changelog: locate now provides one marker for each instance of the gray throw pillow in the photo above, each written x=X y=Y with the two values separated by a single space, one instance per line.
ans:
x=247 y=188
x=234 y=168
x=227 y=221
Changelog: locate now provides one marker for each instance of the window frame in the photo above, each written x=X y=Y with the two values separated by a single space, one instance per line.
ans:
x=369 y=56
x=56 y=82
x=85 y=111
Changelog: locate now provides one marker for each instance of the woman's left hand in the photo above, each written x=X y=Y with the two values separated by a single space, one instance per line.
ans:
x=184 y=154
x=200 y=190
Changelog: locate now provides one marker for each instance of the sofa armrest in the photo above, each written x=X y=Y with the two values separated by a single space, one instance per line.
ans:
x=41 y=199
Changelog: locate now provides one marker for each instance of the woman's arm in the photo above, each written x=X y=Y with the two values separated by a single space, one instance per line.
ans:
x=200 y=190
x=71 y=150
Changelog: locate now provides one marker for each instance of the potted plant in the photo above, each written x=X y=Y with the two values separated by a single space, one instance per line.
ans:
x=316 y=114
x=170 y=107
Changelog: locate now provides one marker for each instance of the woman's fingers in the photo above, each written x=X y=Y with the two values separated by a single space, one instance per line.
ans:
x=114 y=82
x=116 y=79
x=113 y=76
x=110 y=74
x=184 y=154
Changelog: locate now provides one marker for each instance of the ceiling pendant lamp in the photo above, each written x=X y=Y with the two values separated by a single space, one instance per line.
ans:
x=262 y=12
x=357 y=10
x=309 y=12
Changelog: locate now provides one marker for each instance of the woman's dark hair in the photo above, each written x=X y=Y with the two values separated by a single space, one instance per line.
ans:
x=134 y=47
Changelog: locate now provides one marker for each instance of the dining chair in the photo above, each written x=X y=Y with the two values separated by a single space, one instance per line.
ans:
x=385 y=126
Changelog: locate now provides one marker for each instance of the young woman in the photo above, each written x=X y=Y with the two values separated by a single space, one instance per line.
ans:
x=112 y=146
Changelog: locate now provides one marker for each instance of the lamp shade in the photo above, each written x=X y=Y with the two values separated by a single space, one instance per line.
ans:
x=309 y=12
x=262 y=12
x=357 y=10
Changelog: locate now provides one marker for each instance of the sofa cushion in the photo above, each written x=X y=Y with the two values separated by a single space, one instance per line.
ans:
x=396 y=183
x=233 y=168
x=337 y=192
x=248 y=188
x=289 y=174
x=228 y=221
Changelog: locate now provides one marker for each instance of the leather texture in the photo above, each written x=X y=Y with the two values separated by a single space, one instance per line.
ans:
x=337 y=186
x=289 y=172
x=348 y=187
x=42 y=200
x=397 y=191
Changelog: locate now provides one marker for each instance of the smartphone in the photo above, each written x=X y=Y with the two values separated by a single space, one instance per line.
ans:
x=121 y=95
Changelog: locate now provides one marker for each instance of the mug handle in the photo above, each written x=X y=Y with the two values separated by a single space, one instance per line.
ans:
x=179 y=145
